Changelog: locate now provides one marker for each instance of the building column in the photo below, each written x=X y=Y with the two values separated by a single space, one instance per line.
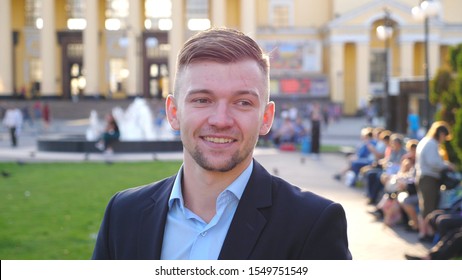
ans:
x=176 y=39
x=134 y=48
x=248 y=21
x=362 y=73
x=433 y=58
x=6 y=49
x=218 y=13
x=406 y=59
x=90 y=49
x=48 y=49
x=336 y=73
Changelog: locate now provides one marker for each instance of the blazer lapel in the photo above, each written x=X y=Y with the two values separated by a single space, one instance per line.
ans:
x=152 y=223
x=248 y=221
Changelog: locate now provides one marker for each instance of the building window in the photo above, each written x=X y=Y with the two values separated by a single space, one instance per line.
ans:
x=377 y=66
x=116 y=14
x=118 y=74
x=197 y=13
x=78 y=81
x=35 y=74
x=35 y=69
x=154 y=49
x=75 y=11
x=281 y=13
x=158 y=14
x=280 y=16
x=75 y=8
x=75 y=50
x=32 y=13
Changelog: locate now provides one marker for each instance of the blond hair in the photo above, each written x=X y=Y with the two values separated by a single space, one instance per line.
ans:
x=437 y=128
x=222 y=45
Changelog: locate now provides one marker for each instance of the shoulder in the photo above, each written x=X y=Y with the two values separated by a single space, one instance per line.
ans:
x=423 y=143
x=142 y=195
x=430 y=144
x=296 y=199
x=281 y=190
x=313 y=226
x=288 y=197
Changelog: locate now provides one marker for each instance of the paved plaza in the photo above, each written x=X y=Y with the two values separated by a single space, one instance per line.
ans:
x=369 y=239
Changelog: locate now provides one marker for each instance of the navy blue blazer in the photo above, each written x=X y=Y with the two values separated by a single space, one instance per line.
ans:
x=274 y=220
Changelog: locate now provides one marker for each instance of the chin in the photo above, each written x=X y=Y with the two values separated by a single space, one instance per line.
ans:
x=219 y=162
x=218 y=167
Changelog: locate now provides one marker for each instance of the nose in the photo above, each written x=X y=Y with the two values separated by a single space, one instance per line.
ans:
x=221 y=116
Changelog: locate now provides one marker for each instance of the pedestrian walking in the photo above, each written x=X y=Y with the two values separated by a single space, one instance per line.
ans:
x=316 y=118
x=13 y=121
x=26 y=116
x=37 y=107
x=413 y=125
x=46 y=116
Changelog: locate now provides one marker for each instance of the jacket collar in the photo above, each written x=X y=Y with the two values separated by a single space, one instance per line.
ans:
x=243 y=233
x=152 y=222
x=248 y=221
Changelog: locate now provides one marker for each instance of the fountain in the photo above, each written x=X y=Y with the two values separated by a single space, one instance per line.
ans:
x=94 y=130
x=138 y=133
x=136 y=123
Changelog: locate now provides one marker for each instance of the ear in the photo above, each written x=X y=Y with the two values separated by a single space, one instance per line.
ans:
x=268 y=117
x=172 y=112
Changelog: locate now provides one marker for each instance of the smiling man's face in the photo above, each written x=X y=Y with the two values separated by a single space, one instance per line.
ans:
x=220 y=110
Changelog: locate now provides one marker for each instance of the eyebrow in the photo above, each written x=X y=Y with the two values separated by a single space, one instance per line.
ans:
x=197 y=91
x=237 y=93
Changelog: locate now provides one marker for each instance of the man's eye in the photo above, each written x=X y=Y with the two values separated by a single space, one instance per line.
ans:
x=244 y=103
x=200 y=100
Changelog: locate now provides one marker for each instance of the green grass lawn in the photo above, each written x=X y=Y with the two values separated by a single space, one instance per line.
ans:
x=54 y=210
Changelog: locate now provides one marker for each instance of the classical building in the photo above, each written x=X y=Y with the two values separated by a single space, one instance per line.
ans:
x=320 y=50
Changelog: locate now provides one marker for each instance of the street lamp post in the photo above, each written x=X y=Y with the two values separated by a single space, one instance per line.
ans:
x=428 y=116
x=384 y=33
x=424 y=11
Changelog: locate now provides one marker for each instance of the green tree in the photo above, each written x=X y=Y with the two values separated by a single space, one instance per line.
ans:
x=446 y=91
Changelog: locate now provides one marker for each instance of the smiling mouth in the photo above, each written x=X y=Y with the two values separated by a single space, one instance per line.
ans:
x=218 y=140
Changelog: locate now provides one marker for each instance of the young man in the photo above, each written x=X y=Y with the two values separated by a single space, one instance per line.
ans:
x=222 y=204
x=13 y=120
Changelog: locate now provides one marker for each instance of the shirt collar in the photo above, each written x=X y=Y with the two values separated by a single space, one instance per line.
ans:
x=237 y=187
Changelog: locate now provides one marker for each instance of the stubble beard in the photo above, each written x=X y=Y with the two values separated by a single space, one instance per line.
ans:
x=238 y=157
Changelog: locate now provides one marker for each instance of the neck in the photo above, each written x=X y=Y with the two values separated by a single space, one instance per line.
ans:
x=201 y=187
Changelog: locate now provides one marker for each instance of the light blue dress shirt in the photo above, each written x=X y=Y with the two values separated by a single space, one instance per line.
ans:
x=187 y=236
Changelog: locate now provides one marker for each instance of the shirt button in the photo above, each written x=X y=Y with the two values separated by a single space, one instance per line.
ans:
x=203 y=234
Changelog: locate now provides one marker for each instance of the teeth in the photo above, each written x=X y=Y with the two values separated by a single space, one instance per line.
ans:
x=218 y=140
